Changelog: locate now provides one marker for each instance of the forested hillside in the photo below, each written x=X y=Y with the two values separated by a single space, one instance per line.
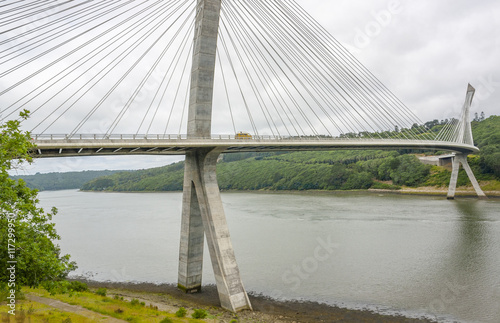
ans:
x=166 y=178
x=486 y=135
x=61 y=181
x=327 y=170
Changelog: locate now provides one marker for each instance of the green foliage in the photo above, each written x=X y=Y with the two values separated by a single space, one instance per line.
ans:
x=166 y=320
x=64 y=287
x=199 y=314
x=61 y=181
x=136 y=302
x=101 y=291
x=5 y=291
x=410 y=171
x=166 y=178
x=358 y=181
x=321 y=170
x=486 y=135
x=387 y=167
x=490 y=160
x=439 y=176
x=296 y=171
x=181 y=312
x=385 y=186
x=38 y=258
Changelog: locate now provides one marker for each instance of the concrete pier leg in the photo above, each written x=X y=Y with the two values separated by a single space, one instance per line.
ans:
x=452 y=187
x=192 y=235
x=204 y=200
x=456 y=161
x=463 y=160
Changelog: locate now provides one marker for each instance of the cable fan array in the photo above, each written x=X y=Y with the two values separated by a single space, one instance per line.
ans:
x=111 y=67
x=96 y=67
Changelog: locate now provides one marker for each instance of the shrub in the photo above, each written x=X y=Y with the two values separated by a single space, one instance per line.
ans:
x=77 y=286
x=410 y=171
x=64 y=286
x=101 y=291
x=358 y=181
x=385 y=186
x=181 y=312
x=199 y=314
x=166 y=320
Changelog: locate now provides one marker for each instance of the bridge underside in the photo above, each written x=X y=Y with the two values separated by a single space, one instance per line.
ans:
x=117 y=147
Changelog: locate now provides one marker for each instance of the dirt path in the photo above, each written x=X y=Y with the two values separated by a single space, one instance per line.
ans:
x=73 y=309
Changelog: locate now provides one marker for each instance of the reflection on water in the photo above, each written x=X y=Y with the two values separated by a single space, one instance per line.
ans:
x=457 y=282
x=473 y=235
x=417 y=255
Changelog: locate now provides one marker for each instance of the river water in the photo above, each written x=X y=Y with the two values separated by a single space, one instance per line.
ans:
x=390 y=253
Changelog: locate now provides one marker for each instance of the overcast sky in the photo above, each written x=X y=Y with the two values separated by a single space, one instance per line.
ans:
x=424 y=51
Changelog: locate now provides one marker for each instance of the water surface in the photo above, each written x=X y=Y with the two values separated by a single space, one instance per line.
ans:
x=410 y=254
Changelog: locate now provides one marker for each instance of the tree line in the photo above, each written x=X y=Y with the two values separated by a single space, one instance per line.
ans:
x=320 y=170
x=61 y=181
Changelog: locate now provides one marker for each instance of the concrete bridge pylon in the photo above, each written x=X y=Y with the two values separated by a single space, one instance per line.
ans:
x=457 y=160
x=464 y=135
x=202 y=209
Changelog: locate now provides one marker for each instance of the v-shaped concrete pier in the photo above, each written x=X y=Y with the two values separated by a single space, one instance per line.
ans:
x=202 y=209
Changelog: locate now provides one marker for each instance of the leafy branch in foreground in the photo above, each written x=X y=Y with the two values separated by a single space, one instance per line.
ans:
x=25 y=226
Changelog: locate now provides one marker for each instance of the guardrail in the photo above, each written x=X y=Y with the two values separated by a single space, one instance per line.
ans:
x=42 y=137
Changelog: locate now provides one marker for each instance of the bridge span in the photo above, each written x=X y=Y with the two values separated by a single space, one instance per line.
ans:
x=116 y=145
x=279 y=71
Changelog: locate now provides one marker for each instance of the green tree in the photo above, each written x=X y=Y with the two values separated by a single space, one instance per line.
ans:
x=410 y=171
x=25 y=227
x=358 y=181
x=387 y=167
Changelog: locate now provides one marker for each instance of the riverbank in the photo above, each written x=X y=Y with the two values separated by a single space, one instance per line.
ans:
x=423 y=191
x=169 y=298
x=433 y=191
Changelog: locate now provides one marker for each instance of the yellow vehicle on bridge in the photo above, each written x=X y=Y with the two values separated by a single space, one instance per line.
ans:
x=243 y=135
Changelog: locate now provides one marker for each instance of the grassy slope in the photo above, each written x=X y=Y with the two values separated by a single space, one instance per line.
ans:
x=111 y=306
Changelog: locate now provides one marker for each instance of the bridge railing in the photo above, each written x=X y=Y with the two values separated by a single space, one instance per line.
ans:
x=176 y=137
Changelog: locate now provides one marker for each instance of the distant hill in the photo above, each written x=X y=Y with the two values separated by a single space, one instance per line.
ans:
x=320 y=170
x=62 y=181
x=323 y=170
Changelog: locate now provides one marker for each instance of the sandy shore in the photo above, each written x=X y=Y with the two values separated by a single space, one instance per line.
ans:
x=168 y=297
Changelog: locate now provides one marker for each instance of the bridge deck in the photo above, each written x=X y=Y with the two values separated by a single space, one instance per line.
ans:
x=60 y=147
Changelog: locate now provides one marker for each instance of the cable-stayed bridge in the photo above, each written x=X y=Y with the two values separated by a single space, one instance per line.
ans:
x=128 y=77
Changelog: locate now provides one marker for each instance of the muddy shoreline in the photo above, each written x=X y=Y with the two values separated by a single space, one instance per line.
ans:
x=419 y=191
x=265 y=309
